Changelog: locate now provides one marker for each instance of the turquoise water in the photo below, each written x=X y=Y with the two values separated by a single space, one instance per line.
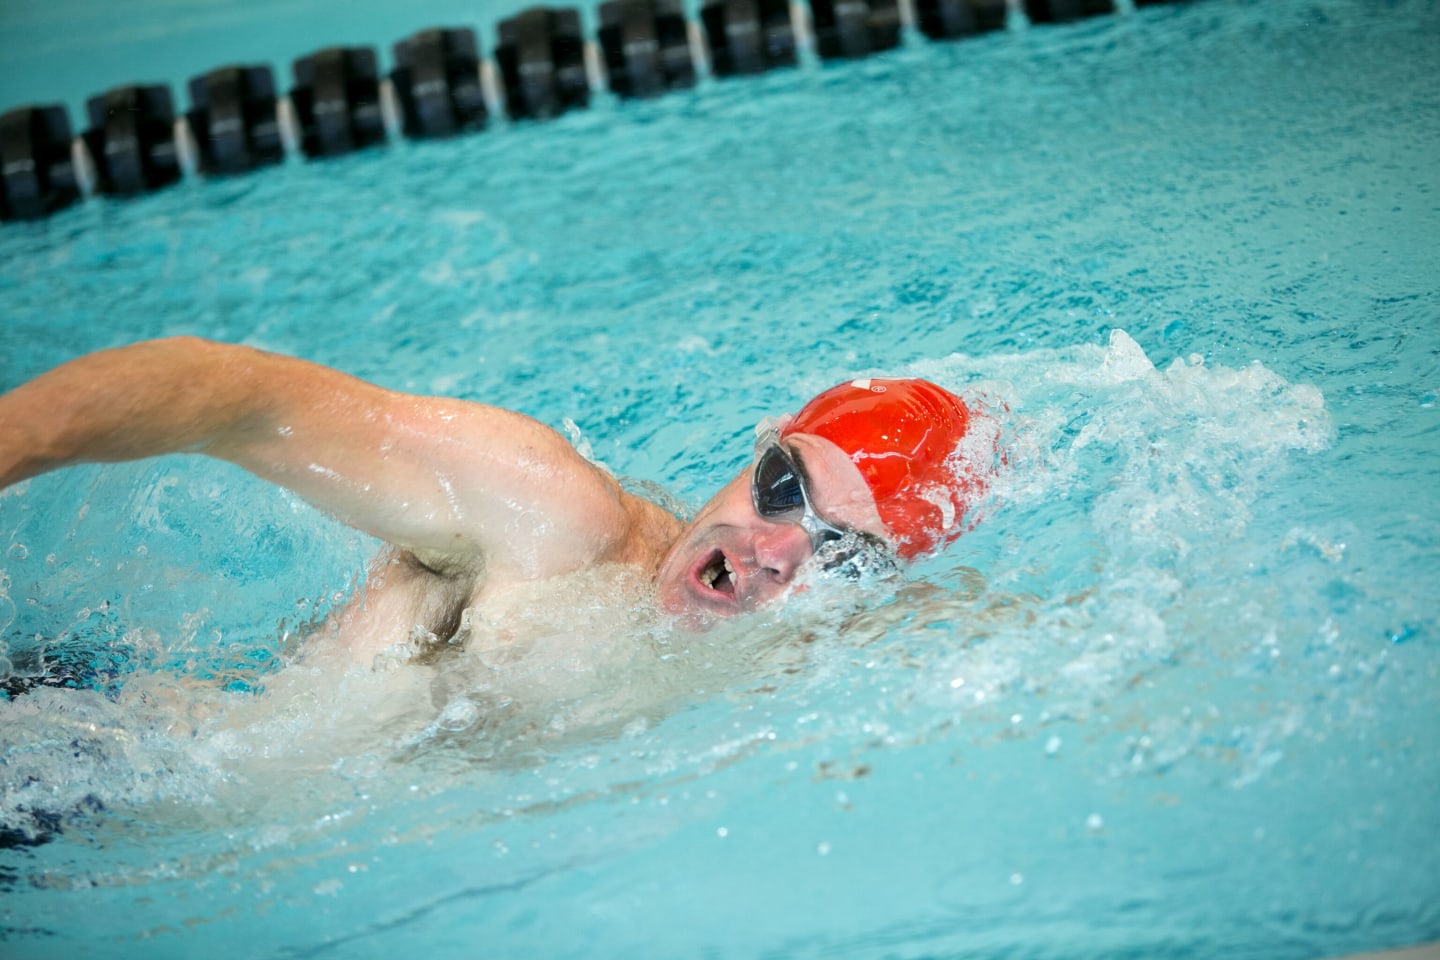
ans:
x=1174 y=696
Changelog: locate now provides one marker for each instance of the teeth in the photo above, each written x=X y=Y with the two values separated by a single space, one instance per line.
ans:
x=710 y=574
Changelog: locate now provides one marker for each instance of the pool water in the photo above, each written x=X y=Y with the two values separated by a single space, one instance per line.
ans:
x=1174 y=695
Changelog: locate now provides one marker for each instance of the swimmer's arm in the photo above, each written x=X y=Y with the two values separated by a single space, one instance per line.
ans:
x=448 y=479
x=164 y=396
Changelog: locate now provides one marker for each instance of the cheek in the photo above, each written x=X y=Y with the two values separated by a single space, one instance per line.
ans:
x=671 y=594
x=730 y=507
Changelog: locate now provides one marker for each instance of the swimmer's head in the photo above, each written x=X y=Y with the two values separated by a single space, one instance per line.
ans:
x=902 y=436
x=869 y=460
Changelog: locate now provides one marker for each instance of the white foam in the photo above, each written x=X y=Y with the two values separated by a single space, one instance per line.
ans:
x=1122 y=482
x=1179 y=440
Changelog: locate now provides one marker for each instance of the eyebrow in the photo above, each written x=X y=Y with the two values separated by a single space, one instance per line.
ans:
x=796 y=459
x=809 y=488
x=799 y=462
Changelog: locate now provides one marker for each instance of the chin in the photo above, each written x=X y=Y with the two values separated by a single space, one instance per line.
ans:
x=690 y=604
x=689 y=611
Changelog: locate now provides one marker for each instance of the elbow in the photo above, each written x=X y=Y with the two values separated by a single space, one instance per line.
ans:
x=210 y=362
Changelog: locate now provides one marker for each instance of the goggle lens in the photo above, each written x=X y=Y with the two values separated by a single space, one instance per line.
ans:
x=778 y=489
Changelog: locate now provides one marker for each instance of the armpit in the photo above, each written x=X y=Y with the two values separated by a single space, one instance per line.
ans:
x=466 y=566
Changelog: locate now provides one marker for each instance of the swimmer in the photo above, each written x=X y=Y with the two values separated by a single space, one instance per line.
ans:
x=482 y=506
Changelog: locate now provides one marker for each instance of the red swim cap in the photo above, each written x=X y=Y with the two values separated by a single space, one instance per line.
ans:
x=900 y=434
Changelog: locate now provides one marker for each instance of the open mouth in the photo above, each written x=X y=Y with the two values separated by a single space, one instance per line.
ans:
x=717 y=575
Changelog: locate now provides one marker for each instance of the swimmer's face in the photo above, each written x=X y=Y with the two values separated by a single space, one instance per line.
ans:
x=732 y=560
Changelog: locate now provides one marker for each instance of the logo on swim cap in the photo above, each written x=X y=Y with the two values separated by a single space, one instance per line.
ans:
x=900 y=434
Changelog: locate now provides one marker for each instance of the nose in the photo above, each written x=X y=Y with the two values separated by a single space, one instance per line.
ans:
x=780 y=549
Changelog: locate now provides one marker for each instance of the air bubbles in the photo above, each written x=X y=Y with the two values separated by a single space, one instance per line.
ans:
x=1406 y=632
x=1094 y=823
x=17 y=551
x=635 y=728
x=1052 y=746
x=459 y=715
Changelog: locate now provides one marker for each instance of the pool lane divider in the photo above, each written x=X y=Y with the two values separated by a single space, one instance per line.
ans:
x=439 y=86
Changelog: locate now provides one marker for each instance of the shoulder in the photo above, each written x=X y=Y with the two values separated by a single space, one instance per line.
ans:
x=650 y=532
x=601 y=522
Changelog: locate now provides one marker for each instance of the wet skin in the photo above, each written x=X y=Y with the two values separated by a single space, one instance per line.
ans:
x=731 y=560
x=477 y=504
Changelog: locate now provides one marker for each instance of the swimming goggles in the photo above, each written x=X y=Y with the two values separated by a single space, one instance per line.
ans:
x=781 y=493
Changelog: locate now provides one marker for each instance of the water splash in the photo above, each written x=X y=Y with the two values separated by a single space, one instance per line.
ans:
x=1075 y=586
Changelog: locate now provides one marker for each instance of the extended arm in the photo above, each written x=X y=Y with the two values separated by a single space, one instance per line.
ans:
x=445 y=478
x=165 y=396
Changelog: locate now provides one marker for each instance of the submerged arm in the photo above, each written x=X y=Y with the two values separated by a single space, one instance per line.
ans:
x=445 y=478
